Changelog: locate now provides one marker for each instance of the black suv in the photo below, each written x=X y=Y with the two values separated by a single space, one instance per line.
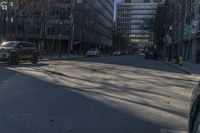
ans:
x=14 y=51
x=151 y=53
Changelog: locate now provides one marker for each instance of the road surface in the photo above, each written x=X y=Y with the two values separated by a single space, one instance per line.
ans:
x=125 y=94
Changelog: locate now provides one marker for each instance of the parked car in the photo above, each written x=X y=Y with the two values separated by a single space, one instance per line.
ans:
x=124 y=52
x=117 y=53
x=14 y=51
x=151 y=53
x=194 y=118
x=141 y=51
x=94 y=52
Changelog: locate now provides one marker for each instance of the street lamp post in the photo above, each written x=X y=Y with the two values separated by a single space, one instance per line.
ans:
x=4 y=7
x=43 y=31
x=80 y=44
x=79 y=2
x=60 y=48
x=182 y=24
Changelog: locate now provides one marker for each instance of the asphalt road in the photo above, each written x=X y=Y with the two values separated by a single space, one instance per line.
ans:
x=124 y=94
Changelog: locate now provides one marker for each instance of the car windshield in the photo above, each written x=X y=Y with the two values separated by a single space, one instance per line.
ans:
x=8 y=44
x=93 y=49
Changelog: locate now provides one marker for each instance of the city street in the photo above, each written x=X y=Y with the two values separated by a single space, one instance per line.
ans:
x=122 y=94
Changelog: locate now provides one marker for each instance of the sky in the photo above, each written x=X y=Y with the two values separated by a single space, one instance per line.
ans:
x=116 y=1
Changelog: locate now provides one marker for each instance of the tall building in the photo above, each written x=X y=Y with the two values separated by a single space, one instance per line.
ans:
x=191 y=48
x=134 y=19
x=63 y=24
x=187 y=29
x=93 y=23
x=42 y=23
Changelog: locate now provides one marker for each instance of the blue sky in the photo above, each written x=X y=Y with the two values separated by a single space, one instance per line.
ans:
x=116 y=1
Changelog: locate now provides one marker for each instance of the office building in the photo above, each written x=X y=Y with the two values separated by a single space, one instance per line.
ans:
x=73 y=24
x=191 y=48
x=134 y=19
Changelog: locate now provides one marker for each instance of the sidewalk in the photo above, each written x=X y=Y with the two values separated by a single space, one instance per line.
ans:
x=189 y=68
x=56 y=57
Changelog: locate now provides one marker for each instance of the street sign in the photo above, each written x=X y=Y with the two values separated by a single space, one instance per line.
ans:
x=194 y=23
x=4 y=5
x=194 y=26
x=167 y=40
x=188 y=30
x=194 y=30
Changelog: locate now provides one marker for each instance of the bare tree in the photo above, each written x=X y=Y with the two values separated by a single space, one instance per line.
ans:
x=27 y=12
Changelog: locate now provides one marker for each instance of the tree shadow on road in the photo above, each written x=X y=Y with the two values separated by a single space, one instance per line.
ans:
x=23 y=64
x=104 y=92
x=151 y=96
x=29 y=104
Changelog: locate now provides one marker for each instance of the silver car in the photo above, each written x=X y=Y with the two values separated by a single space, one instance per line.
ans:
x=93 y=53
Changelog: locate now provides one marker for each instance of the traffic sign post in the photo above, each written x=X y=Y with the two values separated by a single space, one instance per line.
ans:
x=188 y=30
x=194 y=27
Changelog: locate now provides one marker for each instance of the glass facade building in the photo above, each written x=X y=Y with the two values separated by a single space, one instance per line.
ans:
x=41 y=23
x=134 y=20
x=191 y=47
x=74 y=22
x=94 y=22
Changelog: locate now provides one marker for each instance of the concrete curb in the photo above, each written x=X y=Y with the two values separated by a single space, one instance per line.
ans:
x=68 y=58
x=177 y=67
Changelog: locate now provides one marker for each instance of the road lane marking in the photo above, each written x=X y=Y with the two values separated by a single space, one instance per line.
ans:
x=171 y=131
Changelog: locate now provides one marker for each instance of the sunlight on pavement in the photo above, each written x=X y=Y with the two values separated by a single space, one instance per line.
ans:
x=170 y=131
x=156 y=96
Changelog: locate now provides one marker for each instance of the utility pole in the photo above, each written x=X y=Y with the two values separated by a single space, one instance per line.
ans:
x=4 y=6
x=182 y=28
x=77 y=8
x=43 y=20
x=60 y=37
x=72 y=30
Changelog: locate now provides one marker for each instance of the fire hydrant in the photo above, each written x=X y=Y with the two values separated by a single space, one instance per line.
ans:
x=180 y=61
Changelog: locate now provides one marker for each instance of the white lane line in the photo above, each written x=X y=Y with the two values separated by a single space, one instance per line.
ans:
x=171 y=131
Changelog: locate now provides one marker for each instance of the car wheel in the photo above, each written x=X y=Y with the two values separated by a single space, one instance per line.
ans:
x=13 y=60
x=196 y=128
x=17 y=60
x=35 y=59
